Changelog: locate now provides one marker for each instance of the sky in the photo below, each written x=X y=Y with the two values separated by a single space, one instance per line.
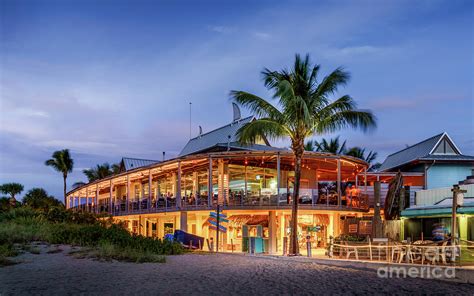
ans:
x=108 y=79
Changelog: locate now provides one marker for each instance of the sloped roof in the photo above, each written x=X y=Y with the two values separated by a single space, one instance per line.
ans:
x=133 y=163
x=423 y=151
x=218 y=138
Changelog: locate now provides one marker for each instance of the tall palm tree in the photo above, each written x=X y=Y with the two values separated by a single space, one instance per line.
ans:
x=12 y=189
x=62 y=162
x=303 y=109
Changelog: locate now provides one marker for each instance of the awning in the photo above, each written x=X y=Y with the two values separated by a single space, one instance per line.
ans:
x=435 y=211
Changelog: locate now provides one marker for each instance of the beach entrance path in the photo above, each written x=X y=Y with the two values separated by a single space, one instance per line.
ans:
x=209 y=274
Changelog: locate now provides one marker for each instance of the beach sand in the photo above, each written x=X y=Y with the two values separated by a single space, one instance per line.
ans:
x=201 y=274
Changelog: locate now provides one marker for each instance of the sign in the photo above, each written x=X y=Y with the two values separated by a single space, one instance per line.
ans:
x=316 y=228
x=213 y=221
x=352 y=228
x=214 y=214
x=365 y=227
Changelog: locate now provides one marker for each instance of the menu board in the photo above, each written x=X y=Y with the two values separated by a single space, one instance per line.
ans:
x=352 y=228
x=365 y=227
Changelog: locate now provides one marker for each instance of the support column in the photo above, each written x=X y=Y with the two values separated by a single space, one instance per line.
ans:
x=87 y=196
x=223 y=183
x=111 y=204
x=365 y=181
x=209 y=184
x=198 y=224
x=150 y=192
x=128 y=194
x=183 y=221
x=282 y=228
x=278 y=178
x=97 y=197
x=339 y=182
x=272 y=232
x=331 y=226
x=178 y=186
x=196 y=188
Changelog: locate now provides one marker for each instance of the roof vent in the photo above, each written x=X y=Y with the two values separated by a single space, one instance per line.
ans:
x=200 y=131
x=236 y=112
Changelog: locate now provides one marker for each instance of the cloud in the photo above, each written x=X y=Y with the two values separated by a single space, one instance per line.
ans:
x=221 y=29
x=355 y=51
x=262 y=35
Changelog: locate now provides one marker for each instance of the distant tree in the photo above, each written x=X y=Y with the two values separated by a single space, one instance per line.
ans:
x=116 y=168
x=99 y=172
x=63 y=163
x=331 y=146
x=78 y=184
x=360 y=153
x=38 y=198
x=12 y=189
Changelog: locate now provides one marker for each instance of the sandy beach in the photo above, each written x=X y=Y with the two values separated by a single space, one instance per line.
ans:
x=209 y=274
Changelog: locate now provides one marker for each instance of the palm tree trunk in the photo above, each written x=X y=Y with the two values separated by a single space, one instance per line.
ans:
x=64 y=183
x=294 y=246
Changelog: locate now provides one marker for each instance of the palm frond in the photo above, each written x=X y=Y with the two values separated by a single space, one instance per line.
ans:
x=267 y=127
x=257 y=105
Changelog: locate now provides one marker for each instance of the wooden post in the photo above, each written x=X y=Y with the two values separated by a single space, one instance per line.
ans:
x=456 y=190
x=217 y=230
x=149 y=191
x=377 y=221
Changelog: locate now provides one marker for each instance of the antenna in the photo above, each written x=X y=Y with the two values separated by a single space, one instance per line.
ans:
x=190 y=104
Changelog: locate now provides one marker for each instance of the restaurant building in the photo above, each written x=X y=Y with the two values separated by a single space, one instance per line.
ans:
x=252 y=184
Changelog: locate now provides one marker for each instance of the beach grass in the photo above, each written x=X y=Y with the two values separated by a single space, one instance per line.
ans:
x=100 y=238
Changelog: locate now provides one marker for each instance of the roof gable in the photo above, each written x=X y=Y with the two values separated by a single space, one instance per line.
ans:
x=445 y=145
x=225 y=135
x=436 y=146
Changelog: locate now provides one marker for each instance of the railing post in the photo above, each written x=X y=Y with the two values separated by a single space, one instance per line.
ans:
x=331 y=246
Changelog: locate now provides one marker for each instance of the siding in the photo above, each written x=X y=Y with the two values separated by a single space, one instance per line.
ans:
x=430 y=197
x=446 y=175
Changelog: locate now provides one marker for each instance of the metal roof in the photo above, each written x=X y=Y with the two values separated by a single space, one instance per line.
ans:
x=443 y=207
x=423 y=151
x=220 y=137
x=133 y=163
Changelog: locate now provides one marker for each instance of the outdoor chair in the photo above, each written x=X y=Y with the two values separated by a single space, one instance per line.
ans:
x=351 y=250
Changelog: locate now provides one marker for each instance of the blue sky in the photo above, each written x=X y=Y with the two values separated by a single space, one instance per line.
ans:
x=108 y=79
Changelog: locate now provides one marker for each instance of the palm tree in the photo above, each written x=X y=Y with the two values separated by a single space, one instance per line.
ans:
x=115 y=168
x=38 y=198
x=62 y=162
x=303 y=109
x=99 y=172
x=12 y=189
x=331 y=146
x=369 y=158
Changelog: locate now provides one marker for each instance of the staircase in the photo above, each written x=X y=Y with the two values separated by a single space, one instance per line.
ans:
x=468 y=180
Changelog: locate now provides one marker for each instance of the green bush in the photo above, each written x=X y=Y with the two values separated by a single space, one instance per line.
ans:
x=58 y=226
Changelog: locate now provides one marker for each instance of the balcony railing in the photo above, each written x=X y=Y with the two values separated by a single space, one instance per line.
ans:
x=330 y=202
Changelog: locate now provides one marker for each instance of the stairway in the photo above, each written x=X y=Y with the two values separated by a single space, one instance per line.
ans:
x=468 y=180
